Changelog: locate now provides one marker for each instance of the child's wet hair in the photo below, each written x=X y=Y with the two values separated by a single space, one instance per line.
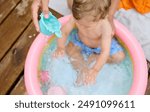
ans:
x=97 y=8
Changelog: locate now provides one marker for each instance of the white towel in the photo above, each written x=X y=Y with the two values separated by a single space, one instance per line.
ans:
x=139 y=25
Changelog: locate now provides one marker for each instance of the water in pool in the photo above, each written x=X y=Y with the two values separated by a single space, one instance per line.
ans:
x=113 y=79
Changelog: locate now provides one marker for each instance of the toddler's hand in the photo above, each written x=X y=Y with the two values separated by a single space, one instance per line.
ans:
x=81 y=76
x=59 y=52
x=90 y=78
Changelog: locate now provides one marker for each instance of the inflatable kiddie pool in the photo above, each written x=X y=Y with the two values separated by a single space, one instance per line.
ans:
x=134 y=49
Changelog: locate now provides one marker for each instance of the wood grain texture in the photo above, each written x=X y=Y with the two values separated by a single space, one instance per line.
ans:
x=19 y=89
x=13 y=62
x=6 y=6
x=13 y=27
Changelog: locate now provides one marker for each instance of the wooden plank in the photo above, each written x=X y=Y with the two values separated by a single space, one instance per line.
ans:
x=6 y=6
x=148 y=84
x=14 y=25
x=12 y=64
x=148 y=87
x=55 y=13
x=19 y=89
x=148 y=65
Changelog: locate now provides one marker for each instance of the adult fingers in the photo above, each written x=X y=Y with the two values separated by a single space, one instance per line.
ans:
x=45 y=8
x=35 y=7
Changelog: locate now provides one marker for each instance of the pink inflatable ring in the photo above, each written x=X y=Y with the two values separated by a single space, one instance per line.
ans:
x=140 y=74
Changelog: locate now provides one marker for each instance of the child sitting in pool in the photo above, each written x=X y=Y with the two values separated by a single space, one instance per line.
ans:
x=92 y=39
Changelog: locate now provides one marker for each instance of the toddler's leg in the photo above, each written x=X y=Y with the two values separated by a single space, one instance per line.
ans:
x=77 y=61
x=74 y=52
x=116 y=58
x=92 y=58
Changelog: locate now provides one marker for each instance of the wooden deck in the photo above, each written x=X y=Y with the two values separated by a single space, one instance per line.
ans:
x=17 y=33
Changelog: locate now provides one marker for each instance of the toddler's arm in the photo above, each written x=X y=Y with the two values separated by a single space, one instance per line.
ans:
x=66 y=29
x=105 y=46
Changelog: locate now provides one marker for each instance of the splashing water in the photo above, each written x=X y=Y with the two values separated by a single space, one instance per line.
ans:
x=113 y=79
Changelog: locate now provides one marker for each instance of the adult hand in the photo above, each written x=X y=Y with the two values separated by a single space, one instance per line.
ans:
x=36 y=5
